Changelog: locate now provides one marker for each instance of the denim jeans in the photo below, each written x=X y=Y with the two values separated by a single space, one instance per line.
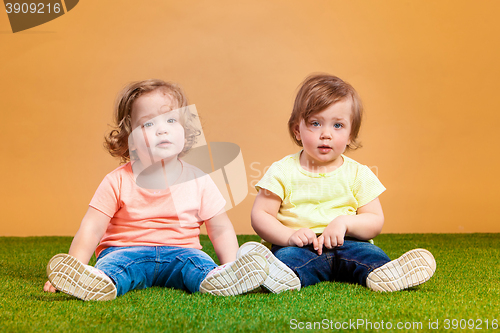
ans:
x=139 y=267
x=351 y=262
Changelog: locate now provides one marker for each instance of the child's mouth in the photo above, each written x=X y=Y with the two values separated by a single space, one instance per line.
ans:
x=324 y=149
x=164 y=144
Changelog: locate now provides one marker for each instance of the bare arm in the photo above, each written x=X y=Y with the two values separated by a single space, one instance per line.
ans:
x=368 y=222
x=92 y=228
x=221 y=232
x=265 y=224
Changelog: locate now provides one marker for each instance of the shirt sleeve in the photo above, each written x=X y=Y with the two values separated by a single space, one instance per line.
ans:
x=273 y=180
x=367 y=186
x=107 y=196
x=211 y=201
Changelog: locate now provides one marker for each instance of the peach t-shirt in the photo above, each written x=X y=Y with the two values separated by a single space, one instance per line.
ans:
x=170 y=217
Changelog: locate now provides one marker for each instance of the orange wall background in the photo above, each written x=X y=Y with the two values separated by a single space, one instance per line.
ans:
x=427 y=71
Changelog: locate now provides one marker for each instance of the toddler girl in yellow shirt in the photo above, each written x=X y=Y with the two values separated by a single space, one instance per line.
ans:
x=320 y=209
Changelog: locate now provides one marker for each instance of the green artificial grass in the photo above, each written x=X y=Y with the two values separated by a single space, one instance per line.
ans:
x=465 y=287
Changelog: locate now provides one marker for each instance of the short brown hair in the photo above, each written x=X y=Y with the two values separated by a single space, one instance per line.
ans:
x=318 y=92
x=116 y=141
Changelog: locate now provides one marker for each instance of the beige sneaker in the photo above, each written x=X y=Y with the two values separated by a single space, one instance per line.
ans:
x=238 y=277
x=281 y=277
x=87 y=283
x=411 y=269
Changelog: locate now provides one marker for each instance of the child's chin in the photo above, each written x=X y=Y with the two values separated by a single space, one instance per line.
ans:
x=165 y=157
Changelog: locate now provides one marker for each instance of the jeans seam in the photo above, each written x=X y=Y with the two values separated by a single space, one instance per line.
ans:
x=195 y=264
x=141 y=261
x=157 y=263
x=355 y=261
x=298 y=267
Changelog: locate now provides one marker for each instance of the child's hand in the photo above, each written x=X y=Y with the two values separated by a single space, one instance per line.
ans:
x=48 y=287
x=333 y=235
x=303 y=237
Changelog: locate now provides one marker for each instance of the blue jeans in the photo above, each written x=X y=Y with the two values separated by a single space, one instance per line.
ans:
x=351 y=262
x=139 y=267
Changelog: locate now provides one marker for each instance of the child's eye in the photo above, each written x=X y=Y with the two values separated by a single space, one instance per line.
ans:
x=338 y=125
x=315 y=123
x=172 y=120
x=148 y=124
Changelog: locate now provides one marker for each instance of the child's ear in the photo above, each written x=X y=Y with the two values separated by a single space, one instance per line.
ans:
x=296 y=132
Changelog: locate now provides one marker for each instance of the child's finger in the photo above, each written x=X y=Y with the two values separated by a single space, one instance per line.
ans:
x=303 y=240
x=340 y=240
x=321 y=241
x=328 y=242
x=298 y=238
x=311 y=236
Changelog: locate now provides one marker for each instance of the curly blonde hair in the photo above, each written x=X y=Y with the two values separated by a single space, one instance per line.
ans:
x=318 y=92
x=116 y=141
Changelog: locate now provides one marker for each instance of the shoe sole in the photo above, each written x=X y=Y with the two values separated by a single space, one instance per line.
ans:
x=281 y=277
x=243 y=275
x=411 y=269
x=70 y=276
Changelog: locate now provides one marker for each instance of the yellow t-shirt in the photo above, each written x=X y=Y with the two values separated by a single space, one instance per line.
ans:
x=313 y=200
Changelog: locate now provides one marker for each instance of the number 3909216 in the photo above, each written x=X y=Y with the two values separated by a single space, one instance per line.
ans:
x=33 y=8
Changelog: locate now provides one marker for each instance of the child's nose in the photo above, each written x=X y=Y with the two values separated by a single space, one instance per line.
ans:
x=326 y=134
x=162 y=129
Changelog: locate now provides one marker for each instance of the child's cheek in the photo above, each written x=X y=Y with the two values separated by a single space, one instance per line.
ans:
x=140 y=139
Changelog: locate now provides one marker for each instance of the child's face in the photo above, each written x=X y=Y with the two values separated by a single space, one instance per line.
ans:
x=325 y=136
x=157 y=131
